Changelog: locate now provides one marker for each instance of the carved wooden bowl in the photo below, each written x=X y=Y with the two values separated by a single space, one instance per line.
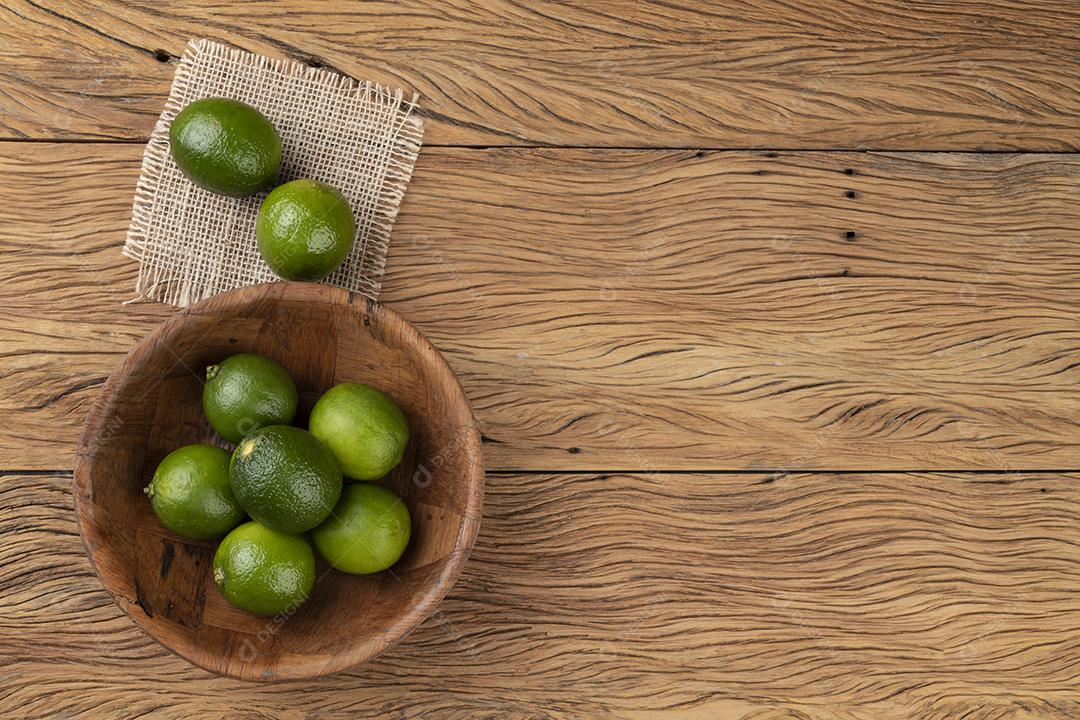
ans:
x=152 y=405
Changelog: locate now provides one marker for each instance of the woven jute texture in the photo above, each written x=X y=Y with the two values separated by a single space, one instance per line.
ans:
x=359 y=137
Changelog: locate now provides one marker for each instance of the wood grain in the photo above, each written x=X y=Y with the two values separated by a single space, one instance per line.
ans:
x=905 y=323
x=972 y=74
x=809 y=597
x=648 y=310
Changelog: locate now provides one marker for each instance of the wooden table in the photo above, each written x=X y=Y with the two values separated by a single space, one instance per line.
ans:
x=769 y=313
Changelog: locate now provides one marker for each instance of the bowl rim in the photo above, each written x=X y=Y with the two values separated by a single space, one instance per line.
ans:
x=431 y=361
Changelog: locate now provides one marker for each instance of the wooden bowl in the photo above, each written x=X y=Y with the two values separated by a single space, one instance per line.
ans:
x=152 y=405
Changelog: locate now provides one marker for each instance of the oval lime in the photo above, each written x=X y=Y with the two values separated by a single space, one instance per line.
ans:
x=363 y=427
x=263 y=571
x=225 y=146
x=246 y=392
x=191 y=494
x=285 y=478
x=367 y=532
x=305 y=229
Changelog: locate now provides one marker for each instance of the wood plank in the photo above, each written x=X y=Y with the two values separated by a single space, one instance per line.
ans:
x=676 y=596
x=643 y=309
x=972 y=74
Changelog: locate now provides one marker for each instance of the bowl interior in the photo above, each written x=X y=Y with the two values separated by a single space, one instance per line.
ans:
x=152 y=405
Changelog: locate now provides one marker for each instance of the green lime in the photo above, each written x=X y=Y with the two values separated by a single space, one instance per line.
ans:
x=246 y=392
x=190 y=493
x=305 y=229
x=225 y=146
x=285 y=478
x=363 y=427
x=367 y=532
x=264 y=571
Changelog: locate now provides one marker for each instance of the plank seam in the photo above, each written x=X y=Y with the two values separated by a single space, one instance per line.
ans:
x=617 y=148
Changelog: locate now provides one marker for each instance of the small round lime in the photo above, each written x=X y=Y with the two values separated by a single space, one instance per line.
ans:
x=263 y=571
x=363 y=427
x=285 y=478
x=367 y=532
x=225 y=146
x=246 y=392
x=190 y=493
x=305 y=229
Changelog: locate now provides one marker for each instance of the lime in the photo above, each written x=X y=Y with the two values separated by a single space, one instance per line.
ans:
x=264 y=571
x=367 y=532
x=246 y=392
x=225 y=146
x=190 y=493
x=363 y=427
x=305 y=230
x=285 y=478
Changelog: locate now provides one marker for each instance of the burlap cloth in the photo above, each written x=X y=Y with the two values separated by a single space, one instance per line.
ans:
x=359 y=137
